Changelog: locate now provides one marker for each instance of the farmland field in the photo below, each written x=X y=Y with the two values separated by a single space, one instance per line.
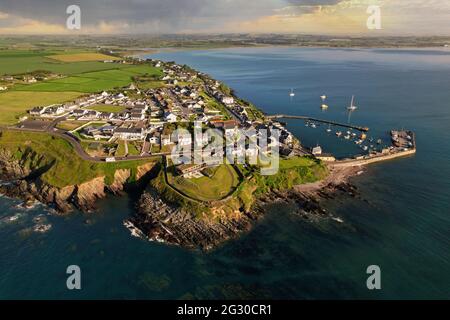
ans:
x=14 y=104
x=85 y=56
x=90 y=82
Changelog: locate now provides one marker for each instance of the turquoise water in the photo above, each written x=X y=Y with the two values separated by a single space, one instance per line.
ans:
x=402 y=222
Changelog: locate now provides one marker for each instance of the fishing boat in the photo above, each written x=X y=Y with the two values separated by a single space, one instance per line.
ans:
x=352 y=107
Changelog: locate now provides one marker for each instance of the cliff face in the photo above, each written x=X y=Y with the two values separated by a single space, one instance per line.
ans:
x=24 y=182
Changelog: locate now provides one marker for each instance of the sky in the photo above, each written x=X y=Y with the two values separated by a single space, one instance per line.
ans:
x=333 y=17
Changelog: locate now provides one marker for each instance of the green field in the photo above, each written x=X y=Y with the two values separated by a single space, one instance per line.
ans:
x=82 y=77
x=63 y=166
x=133 y=149
x=13 y=104
x=70 y=125
x=90 y=82
x=218 y=186
x=83 y=56
x=106 y=108
x=23 y=64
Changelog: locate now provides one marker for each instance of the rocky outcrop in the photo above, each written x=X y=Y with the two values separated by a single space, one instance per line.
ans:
x=121 y=176
x=159 y=221
x=11 y=169
x=22 y=180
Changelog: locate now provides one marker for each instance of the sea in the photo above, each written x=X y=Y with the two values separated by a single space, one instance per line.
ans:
x=400 y=222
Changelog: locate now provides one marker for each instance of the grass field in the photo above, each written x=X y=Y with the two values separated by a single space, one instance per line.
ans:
x=13 y=104
x=70 y=125
x=216 y=187
x=85 y=56
x=22 y=61
x=106 y=108
x=82 y=77
x=120 y=152
x=65 y=166
x=133 y=149
x=90 y=82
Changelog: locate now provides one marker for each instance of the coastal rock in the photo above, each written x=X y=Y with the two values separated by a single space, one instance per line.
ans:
x=120 y=178
x=23 y=183
x=163 y=222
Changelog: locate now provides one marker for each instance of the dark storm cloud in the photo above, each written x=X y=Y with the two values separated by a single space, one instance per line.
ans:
x=163 y=15
x=178 y=13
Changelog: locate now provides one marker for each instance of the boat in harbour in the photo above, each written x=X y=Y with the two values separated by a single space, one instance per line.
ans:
x=352 y=107
x=292 y=93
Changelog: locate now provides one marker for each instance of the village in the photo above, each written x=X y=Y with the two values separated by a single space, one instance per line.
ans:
x=133 y=122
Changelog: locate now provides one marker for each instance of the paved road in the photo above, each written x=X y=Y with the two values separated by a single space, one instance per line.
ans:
x=79 y=149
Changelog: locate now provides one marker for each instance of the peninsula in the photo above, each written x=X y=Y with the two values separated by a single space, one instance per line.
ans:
x=76 y=125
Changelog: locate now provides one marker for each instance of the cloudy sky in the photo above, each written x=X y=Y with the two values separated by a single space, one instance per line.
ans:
x=398 y=17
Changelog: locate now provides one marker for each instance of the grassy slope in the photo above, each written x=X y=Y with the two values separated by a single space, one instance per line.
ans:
x=292 y=172
x=222 y=182
x=66 y=168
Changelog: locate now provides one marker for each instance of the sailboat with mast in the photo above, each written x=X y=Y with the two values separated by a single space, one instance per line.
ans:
x=292 y=94
x=352 y=107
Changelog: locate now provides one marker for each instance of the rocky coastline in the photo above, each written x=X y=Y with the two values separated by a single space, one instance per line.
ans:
x=157 y=220
x=161 y=221
x=18 y=181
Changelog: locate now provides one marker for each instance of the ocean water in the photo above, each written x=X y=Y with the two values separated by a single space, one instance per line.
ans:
x=401 y=222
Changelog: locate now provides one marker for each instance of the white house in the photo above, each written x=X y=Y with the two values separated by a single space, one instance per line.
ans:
x=228 y=100
x=170 y=117
x=129 y=133
x=317 y=151
x=37 y=111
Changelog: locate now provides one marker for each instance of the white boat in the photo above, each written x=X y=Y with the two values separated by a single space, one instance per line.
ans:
x=365 y=148
x=347 y=137
x=339 y=133
x=323 y=97
x=292 y=94
x=352 y=107
x=329 y=129
x=324 y=106
x=313 y=125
